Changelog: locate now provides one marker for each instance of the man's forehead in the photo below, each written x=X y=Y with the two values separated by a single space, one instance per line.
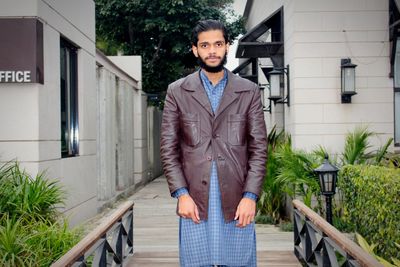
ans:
x=211 y=36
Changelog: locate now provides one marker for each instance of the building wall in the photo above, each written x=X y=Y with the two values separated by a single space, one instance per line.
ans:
x=317 y=34
x=32 y=111
x=113 y=134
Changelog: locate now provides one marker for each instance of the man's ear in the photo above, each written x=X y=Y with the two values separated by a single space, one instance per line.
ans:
x=227 y=47
x=194 y=50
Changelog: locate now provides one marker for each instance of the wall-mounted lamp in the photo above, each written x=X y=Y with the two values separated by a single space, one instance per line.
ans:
x=265 y=109
x=277 y=87
x=348 y=77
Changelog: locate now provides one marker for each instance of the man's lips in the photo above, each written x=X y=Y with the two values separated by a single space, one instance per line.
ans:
x=213 y=58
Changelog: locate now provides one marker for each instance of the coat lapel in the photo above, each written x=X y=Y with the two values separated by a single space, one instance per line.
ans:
x=193 y=83
x=231 y=92
x=229 y=95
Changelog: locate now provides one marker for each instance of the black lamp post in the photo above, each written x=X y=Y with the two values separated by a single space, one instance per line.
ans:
x=327 y=174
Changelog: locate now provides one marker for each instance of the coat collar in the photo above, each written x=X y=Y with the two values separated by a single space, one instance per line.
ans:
x=193 y=84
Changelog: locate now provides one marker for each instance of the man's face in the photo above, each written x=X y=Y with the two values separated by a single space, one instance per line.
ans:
x=211 y=50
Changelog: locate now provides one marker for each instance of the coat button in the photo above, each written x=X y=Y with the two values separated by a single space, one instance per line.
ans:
x=208 y=157
x=204 y=182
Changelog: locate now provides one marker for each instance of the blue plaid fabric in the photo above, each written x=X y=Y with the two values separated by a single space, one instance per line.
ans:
x=214 y=242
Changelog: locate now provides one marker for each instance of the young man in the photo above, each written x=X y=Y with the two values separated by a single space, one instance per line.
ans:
x=213 y=149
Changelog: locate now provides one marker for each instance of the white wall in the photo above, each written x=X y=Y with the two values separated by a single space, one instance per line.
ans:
x=317 y=34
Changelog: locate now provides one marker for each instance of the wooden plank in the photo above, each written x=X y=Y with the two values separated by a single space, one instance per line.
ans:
x=156 y=233
x=166 y=259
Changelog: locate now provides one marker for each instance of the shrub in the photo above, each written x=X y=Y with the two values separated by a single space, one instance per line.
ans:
x=30 y=234
x=372 y=205
x=21 y=194
x=272 y=198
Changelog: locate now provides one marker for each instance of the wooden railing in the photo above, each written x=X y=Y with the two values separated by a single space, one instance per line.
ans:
x=107 y=245
x=318 y=243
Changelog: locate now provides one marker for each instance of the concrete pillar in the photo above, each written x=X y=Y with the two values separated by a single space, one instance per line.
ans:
x=140 y=137
x=106 y=134
x=124 y=153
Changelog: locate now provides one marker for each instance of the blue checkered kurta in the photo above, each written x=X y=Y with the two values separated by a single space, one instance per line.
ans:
x=214 y=242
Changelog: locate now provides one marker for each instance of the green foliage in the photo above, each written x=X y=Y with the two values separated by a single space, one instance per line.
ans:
x=372 y=205
x=13 y=237
x=371 y=250
x=29 y=232
x=264 y=219
x=297 y=173
x=288 y=171
x=286 y=226
x=20 y=194
x=26 y=242
x=159 y=31
x=356 y=146
x=272 y=198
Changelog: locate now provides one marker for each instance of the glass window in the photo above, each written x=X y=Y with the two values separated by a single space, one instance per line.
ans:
x=69 y=99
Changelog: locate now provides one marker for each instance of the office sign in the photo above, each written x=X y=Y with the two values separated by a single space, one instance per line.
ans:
x=21 y=50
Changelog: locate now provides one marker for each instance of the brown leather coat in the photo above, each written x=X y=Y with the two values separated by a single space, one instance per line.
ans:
x=235 y=137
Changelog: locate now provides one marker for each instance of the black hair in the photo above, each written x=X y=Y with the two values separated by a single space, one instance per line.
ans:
x=208 y=25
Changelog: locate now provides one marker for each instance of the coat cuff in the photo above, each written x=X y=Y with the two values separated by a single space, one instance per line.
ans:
x=181 y=191
x=250 y=195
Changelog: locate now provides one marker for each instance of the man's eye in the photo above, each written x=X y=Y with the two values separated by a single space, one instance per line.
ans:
x=204 y=46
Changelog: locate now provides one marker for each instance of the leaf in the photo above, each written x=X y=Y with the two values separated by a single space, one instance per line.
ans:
x=364 y=244
x=382 y=151
x=396 y=262
x=356 y=145
x=384 y=262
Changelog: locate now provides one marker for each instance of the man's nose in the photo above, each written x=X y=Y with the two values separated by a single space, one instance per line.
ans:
x=212 y=49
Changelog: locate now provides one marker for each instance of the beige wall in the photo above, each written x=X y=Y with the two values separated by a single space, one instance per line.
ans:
x=317 y=34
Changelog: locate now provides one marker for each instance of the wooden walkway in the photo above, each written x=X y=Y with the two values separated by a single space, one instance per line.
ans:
x=156 y=233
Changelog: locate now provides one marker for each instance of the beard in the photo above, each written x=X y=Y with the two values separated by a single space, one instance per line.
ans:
x=212 y=69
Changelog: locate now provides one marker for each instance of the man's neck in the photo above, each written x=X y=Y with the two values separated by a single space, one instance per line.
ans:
x=214 y=77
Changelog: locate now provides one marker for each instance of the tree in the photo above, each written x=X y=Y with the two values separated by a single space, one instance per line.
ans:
x=160 y=32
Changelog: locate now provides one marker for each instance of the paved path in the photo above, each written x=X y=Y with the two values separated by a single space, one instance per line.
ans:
x=156 y=233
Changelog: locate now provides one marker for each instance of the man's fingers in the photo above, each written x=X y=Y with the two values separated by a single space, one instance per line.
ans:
x=249 y=219
x=244 y=220
x=196 y=213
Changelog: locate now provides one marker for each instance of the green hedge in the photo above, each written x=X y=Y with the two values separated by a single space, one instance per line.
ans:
x=372 y=205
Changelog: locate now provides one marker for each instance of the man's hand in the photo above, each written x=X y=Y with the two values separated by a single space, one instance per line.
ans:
x=187 y=208
x=245 y=212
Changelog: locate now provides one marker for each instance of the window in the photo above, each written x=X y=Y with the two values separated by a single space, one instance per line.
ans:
x=69 y=99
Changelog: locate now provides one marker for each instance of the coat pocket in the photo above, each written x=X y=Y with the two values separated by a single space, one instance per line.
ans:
x=237 y=129
x=190 y=125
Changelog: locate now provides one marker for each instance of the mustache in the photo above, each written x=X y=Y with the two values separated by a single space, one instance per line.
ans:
x=212 y=57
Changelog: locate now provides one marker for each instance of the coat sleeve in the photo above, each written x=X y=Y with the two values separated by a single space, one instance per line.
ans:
x=256 y=145
x=169 y=144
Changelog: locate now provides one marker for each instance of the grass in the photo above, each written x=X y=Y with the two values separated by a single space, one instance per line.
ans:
x=30 y=234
